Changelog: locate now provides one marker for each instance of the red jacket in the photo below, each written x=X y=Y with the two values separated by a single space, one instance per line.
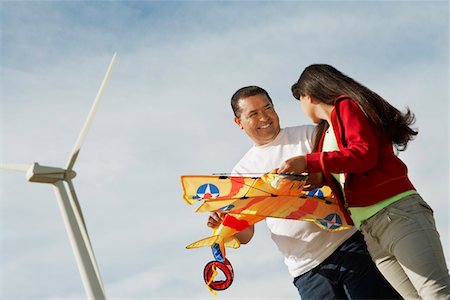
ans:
x=366 y=157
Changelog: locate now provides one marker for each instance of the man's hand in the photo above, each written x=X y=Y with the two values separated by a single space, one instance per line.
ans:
x=215 y=219
x=314 y=181
x=294 y=165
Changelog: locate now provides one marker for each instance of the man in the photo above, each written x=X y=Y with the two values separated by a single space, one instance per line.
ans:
x=324 y=265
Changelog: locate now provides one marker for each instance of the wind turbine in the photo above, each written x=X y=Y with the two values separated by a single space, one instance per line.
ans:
x=61 y=179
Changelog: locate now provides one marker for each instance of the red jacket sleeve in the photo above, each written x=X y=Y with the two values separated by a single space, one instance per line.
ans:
x=358 y=142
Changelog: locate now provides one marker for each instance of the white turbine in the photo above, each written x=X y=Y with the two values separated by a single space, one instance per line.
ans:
x=61 y=179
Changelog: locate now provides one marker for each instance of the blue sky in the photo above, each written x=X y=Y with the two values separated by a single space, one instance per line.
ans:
x=166 y=113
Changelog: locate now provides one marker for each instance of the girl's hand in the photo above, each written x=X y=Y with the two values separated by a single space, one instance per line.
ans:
x=215 y=219
x=315 y=181
x=294 y=165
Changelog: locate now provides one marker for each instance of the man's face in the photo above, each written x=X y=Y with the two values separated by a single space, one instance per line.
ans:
x=258 y=119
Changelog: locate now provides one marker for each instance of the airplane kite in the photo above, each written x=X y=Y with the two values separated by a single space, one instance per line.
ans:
x=248 y=200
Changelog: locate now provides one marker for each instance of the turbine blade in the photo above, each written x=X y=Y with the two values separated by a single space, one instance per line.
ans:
x=90 y=118
x=16 y=167
x=74 y=199
x=79 y=240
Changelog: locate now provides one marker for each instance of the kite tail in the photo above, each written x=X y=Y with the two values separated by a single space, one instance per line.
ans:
x=209 y=241
x=211 y=280
x=230 y=242
x=211 y=271
x=217 y=244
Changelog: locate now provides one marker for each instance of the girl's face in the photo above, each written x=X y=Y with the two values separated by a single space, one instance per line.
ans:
x=309 y=107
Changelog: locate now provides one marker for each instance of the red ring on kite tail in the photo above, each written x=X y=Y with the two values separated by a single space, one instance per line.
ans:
x=226 y=268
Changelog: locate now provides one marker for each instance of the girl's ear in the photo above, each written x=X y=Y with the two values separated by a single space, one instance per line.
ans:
x=313 y=100
x=238 y=122
x=307 y=98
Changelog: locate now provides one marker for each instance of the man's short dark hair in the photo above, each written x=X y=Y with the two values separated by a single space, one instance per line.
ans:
x=245 y=92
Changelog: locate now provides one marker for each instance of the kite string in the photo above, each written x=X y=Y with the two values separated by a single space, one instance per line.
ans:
x=252 y=186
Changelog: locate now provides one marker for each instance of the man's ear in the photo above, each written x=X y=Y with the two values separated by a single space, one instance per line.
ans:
x=238 y=122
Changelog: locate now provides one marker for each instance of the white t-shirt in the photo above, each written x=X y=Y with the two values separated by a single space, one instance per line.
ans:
x=303 y=244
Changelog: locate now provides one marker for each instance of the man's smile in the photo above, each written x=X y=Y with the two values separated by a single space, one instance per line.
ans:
x=265 y=126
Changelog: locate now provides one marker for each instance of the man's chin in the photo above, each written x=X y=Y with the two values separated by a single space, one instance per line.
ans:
x=267 y=138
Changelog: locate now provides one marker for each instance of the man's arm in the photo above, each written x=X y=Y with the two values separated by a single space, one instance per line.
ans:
x=244 y=236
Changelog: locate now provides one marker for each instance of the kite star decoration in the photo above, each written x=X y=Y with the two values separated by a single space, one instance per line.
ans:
x=248 y=200
x=61 y=179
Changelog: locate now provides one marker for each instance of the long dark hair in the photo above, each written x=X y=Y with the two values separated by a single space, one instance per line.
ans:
x=326 y=83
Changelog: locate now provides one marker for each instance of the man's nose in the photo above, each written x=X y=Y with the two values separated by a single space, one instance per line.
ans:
x=263 y=117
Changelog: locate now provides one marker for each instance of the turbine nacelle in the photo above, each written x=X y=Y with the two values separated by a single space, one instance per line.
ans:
x=44 y=174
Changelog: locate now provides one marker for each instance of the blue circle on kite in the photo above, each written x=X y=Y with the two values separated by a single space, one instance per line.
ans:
x=316 y=193
x=207 y=191
x=332 y=221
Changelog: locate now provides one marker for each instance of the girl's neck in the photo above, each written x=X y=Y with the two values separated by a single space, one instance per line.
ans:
x=324 y=112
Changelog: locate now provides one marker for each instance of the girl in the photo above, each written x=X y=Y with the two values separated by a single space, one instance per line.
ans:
x=356 y=132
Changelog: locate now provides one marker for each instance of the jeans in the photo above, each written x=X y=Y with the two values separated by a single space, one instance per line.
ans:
x=348 y=273
x=406 y=247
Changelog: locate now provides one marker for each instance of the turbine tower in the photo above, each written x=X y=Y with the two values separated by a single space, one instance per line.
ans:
x=61 y=179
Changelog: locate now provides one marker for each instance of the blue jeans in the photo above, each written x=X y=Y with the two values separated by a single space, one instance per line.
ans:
x=348 y=273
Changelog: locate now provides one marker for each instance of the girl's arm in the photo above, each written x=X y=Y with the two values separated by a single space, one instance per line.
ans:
x=360 y=154
x=362 y=141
